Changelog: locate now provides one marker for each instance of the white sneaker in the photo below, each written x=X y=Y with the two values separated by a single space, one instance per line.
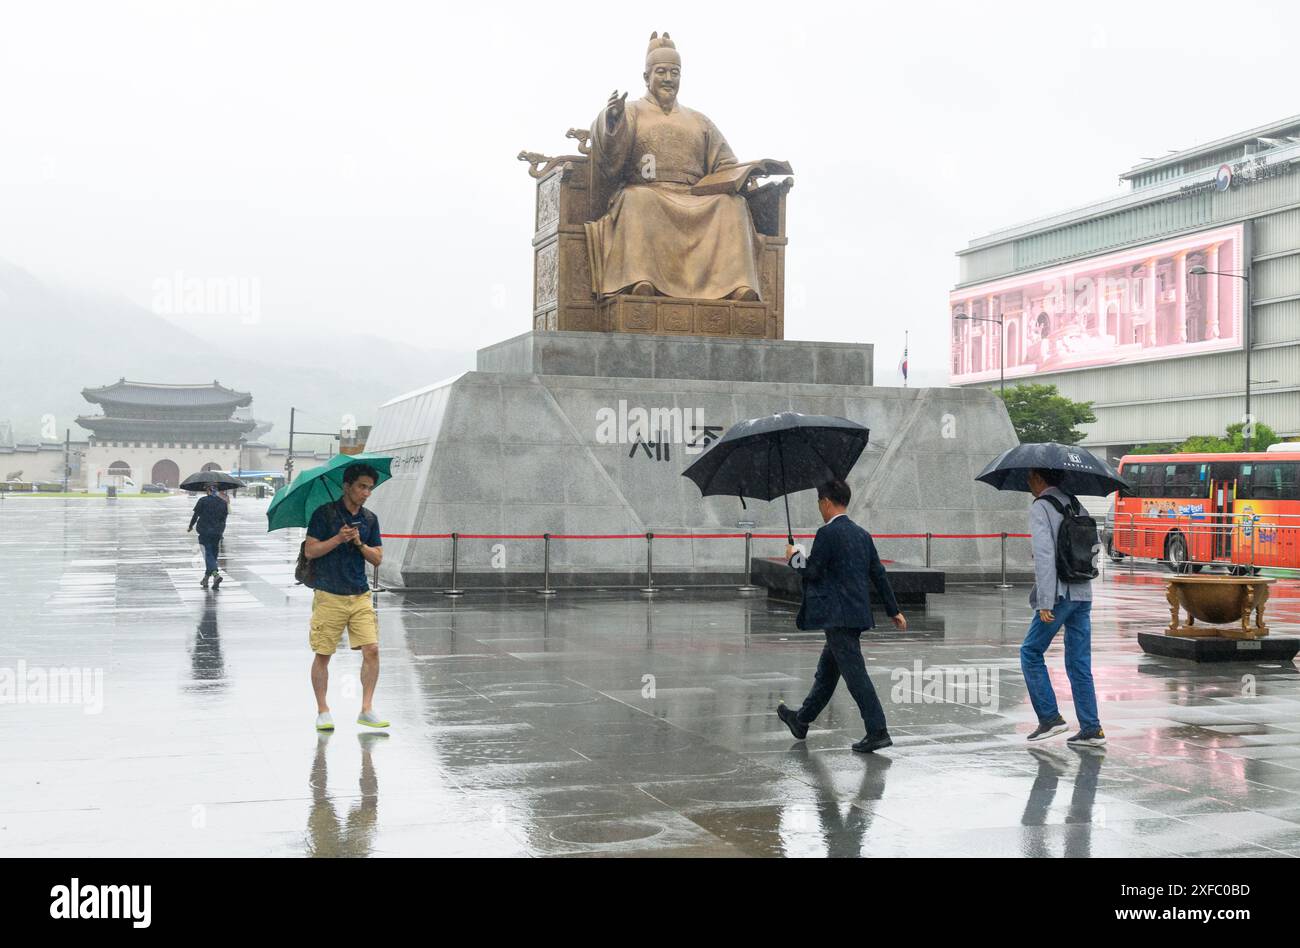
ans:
x=324 y=721
x=370 y=719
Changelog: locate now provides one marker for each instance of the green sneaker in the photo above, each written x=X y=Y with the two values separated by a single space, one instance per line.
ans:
x=324 y=721
x=370 y=719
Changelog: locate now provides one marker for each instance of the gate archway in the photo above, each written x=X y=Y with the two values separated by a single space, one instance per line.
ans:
x=166 y=472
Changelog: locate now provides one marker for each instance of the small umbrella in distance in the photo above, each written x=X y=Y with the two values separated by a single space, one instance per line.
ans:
x=294 y=506
x=205 y=479
x=775 y=455
x=1085 y=473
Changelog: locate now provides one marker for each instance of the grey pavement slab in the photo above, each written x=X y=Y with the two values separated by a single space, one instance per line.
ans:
x=596 y=723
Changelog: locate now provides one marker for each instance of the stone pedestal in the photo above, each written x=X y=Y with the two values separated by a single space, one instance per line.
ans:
x=606 y=355
x=910 y=583
x=587 y=434
x=1218 y=649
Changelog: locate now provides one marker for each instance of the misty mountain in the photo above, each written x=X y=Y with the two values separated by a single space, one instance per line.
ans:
x=57 y=340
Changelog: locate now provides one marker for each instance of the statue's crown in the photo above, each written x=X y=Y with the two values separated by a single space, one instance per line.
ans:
x=661 y=50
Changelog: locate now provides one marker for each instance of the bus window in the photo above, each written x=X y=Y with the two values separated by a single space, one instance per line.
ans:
x=1133 y=474
x=1274 y=481
x=1185 y=480
x=1151 y=482
x=1129 y=475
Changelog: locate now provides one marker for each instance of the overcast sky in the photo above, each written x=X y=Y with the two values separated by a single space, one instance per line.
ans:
x=356 y=162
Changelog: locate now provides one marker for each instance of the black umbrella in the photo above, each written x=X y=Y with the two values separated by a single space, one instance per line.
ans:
x=1085 y=473
x=775 y=455
x=205 y=479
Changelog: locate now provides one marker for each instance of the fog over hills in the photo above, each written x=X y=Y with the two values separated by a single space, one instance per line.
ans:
x=59 y=339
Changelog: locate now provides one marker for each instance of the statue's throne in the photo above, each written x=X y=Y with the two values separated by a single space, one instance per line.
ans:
x=563 y=299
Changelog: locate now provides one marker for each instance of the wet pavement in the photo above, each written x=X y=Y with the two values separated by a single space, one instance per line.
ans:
x=596 y=723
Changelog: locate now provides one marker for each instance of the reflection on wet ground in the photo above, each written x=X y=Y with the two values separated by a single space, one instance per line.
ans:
x=593 y=724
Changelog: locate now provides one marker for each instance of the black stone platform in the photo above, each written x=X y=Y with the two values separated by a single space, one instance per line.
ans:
x=910 y=583
x=1197 y=649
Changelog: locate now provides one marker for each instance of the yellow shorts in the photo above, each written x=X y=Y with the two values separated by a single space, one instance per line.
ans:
x=330 y=614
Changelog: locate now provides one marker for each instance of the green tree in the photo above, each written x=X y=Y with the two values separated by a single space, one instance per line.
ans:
x=1231 y=441
x=1040 y=413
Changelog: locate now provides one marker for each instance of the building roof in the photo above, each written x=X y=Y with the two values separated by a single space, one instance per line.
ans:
x=165 y=429
x=160 y=394
x=34 y=447
x=1265 y=133
x=1146 y=186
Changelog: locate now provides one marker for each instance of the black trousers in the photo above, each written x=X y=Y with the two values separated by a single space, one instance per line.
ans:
x=842 y=657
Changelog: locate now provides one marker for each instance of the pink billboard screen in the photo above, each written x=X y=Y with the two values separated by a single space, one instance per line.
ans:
x=1132 y=306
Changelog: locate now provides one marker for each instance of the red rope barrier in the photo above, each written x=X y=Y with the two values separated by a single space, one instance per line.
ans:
x=688 y=536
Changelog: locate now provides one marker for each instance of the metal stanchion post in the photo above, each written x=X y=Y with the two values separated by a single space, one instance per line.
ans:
x=1004 y=584
x=749 y=588
x=649 y=589
x=1254 y=529
x=928 y=537
x=374 y=585
x=455 y=544
x=1132 y=545
x=546 y=589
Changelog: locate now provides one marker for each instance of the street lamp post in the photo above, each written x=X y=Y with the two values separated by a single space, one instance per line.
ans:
x=1002 y=345
x=1245 y=278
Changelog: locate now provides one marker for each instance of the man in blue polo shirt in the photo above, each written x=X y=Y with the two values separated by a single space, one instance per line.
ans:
x=343 y=537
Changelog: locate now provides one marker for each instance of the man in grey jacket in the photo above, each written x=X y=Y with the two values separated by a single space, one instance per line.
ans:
x=1058 y=604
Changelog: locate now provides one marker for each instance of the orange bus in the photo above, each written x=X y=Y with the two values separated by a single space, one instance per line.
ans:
x=1241 y=511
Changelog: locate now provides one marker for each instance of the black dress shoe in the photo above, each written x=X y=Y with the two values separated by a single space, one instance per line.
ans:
x=791 y=719
x=873 y=742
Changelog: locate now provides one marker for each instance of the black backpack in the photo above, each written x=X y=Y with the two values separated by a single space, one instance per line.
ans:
x=305 y=570
x=1076 y=542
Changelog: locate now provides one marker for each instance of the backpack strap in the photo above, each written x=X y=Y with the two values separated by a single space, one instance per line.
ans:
x=1074 y=506
x=1053 y=501
x=332 y=518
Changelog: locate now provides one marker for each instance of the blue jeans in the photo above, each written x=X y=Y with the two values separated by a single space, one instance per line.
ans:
x=210 y=544
x=1076 y=617
x=842 y=658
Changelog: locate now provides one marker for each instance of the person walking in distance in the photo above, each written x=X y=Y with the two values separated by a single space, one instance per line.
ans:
x=837 y=599
x=210 y=516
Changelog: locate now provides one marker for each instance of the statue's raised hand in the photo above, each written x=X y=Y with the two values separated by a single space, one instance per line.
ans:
x=614 y=109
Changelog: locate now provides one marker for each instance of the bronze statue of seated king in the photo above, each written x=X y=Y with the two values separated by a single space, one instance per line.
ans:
x=669 y=213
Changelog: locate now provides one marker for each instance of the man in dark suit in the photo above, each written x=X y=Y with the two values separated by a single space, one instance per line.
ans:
x=837 y=599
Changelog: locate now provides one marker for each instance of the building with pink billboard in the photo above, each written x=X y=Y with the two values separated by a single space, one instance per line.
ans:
x=1144 y=304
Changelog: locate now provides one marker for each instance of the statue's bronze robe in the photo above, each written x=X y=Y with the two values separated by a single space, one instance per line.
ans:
x=686 y=245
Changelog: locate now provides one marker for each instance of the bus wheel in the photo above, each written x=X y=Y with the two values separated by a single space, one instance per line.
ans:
x=1176 y=553
x=1110 y=551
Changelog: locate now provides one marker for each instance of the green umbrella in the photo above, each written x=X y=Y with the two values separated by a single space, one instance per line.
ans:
x=294 y=506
